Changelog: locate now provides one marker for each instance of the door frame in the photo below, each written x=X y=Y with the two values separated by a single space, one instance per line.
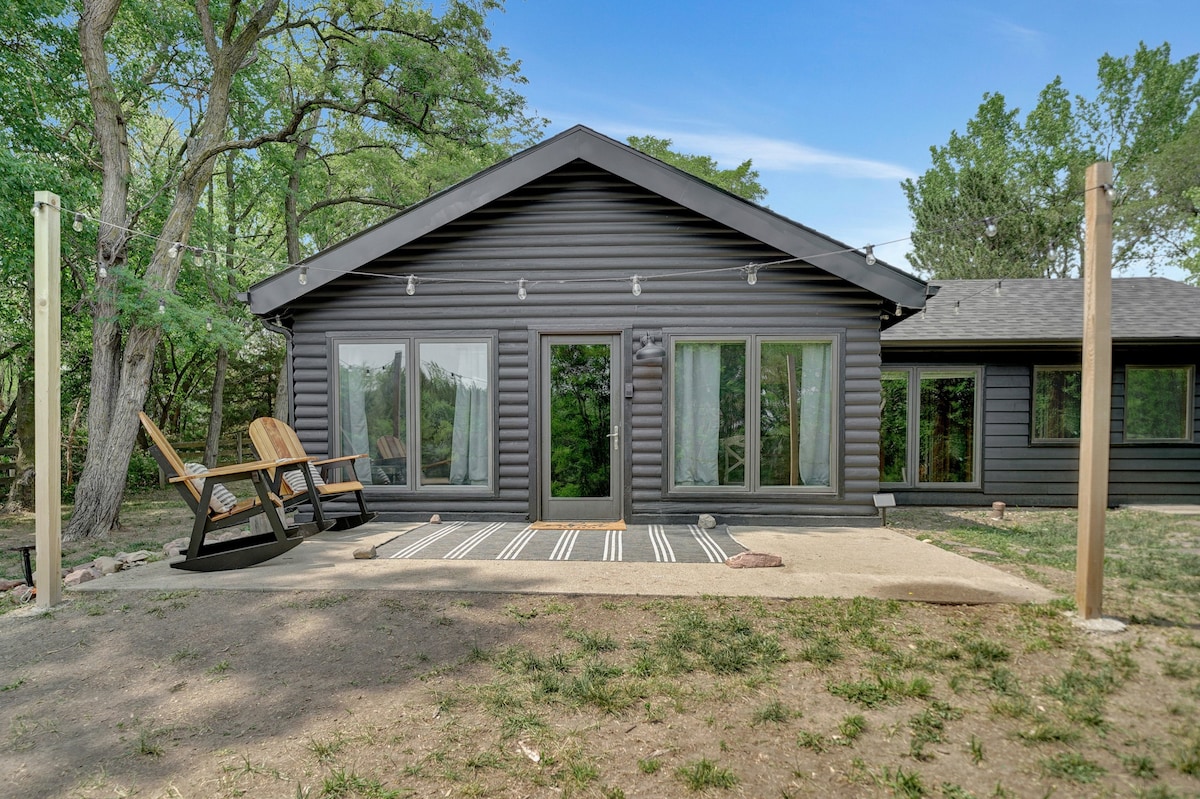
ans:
x=615 y=503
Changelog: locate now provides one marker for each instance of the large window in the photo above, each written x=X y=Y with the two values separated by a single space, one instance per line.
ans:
x=929 y=433
x=752 y=413
x=425 y=427
x=1158 y=403
x=1056 y=398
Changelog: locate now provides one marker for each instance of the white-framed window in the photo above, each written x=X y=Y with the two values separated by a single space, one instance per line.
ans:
x=1057 y=392
x=426 y=427
x=753 y=413
x=930 y=427
x=1158 y=403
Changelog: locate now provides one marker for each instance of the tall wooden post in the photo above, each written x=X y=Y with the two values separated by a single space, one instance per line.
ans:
x=1096 y=402
x=47 y=410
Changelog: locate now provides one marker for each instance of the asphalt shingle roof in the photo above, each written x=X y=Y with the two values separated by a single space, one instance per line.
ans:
x=1144 y=308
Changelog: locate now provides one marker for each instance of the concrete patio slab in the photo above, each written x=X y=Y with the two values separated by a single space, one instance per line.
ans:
x=827 y=562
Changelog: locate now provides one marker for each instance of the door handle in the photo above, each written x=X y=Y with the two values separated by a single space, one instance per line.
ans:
x=615 y=435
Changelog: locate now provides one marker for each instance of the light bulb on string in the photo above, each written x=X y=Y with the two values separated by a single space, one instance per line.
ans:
x=208 y=324
x=998 y=287
x=522 y=292
x=637 y=286
x=870 y=254
x=752 y=275
x=173 y=253
x=103 y=273
x=303 y=276
x=956 y=309
x=77 y=225
x=197 y=257
x=411 y=288
x=1110 y=191
x=989 y=227
x=162 y=306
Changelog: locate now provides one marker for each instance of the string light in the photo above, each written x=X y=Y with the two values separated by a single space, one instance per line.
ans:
x=956 y=307
x=1110 y=191
x=208 y=324
x=989 y=227
x=103 y=273
x=197 y=257
x=173 y=253
x=162 y=305
x=637 y=286
x=522 y=292
x=411 y=288
x=870 y=254
x=303 y=278
x=77 y=225
x=998 y=287
x=752 y=274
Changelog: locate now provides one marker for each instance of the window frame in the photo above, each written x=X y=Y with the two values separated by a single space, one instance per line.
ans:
x=1033 y=421
x=1189 y=405
x=411 y=344
x=752 y=342
x=913 y=429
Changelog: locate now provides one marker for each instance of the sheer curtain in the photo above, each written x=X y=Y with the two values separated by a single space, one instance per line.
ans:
x=355 y=436
x=697 y=413
x=816 y=399
x=469 y=447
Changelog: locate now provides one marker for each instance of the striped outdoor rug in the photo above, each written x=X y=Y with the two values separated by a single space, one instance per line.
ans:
x=654 y=543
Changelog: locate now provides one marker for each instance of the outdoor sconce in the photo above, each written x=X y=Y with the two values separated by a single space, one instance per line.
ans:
x=649 y=351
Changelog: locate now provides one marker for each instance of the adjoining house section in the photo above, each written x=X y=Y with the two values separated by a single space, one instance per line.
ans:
x=583 y=332
x=981 y=394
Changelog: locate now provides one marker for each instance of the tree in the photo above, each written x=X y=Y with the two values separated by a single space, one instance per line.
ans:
x=1027 y=177
x=164 y=83
x=741 y=180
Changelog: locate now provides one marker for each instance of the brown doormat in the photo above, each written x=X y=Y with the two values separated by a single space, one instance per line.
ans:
x=617 y=525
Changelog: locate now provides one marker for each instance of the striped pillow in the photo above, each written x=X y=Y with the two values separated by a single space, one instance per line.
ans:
x=296 y=480
x=222 y=500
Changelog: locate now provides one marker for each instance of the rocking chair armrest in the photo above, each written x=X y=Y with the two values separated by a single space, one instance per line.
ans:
x=328 y=461
x=236 y=470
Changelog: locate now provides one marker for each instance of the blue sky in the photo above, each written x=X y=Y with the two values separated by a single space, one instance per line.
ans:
x=835 y=103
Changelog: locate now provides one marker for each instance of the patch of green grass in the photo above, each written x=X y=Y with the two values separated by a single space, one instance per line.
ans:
x=592 y=643
x=822 y=650
x=882 y=690
x=812 y=740
x=650 y=765
x=342 y=784
x=14 y=685
x=325 y=751
x=1071 y=766
x=975 y=747
x=1048 y=732
x=1140 y=766
x=927 y=727
x=774 y=712
x=703 y=774
x=903 y=784
x=326 y=601
x=726 y=644
x=1186 y=758
x=851 y=727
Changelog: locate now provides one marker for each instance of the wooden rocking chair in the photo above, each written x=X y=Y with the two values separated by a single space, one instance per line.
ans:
x=296 y=478
x=198 y=488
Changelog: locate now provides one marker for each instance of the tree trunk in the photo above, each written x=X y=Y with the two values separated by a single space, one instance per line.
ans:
x=118 y=395
x=21 y=494
x=213 y=443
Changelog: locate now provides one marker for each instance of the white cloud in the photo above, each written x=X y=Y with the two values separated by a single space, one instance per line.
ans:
x=732 y=148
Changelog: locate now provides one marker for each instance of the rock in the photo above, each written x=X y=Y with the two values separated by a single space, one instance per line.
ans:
x=177 y=547
x=435 y=519
x=364 y=553
x=753 y=560
x=8 y=585
x=108 y=565
x=79 y=576
x=23 y=593
x=134 y=558
x=706 y=521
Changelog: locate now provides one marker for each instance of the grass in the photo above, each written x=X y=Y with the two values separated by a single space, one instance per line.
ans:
x=667 y=696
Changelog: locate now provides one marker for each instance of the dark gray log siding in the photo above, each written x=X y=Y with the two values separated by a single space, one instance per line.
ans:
x=576 y=223
x=1019 y=472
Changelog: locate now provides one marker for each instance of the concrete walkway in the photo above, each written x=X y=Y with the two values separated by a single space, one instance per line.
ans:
x=827 y=562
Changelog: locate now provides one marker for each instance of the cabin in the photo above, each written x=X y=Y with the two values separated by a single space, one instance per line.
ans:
x=981 y=394
x=582 y=332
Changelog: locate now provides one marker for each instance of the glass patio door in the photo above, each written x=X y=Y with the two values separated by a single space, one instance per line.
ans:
x=581 y=431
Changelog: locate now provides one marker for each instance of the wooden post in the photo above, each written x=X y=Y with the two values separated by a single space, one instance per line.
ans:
x=1096 y=401
x=47 y=411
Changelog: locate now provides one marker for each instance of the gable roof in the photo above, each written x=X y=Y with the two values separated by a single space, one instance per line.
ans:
x=580 y=143
x=1047 y=311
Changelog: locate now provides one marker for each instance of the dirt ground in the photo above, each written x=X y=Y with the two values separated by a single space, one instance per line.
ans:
x=382 y=694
